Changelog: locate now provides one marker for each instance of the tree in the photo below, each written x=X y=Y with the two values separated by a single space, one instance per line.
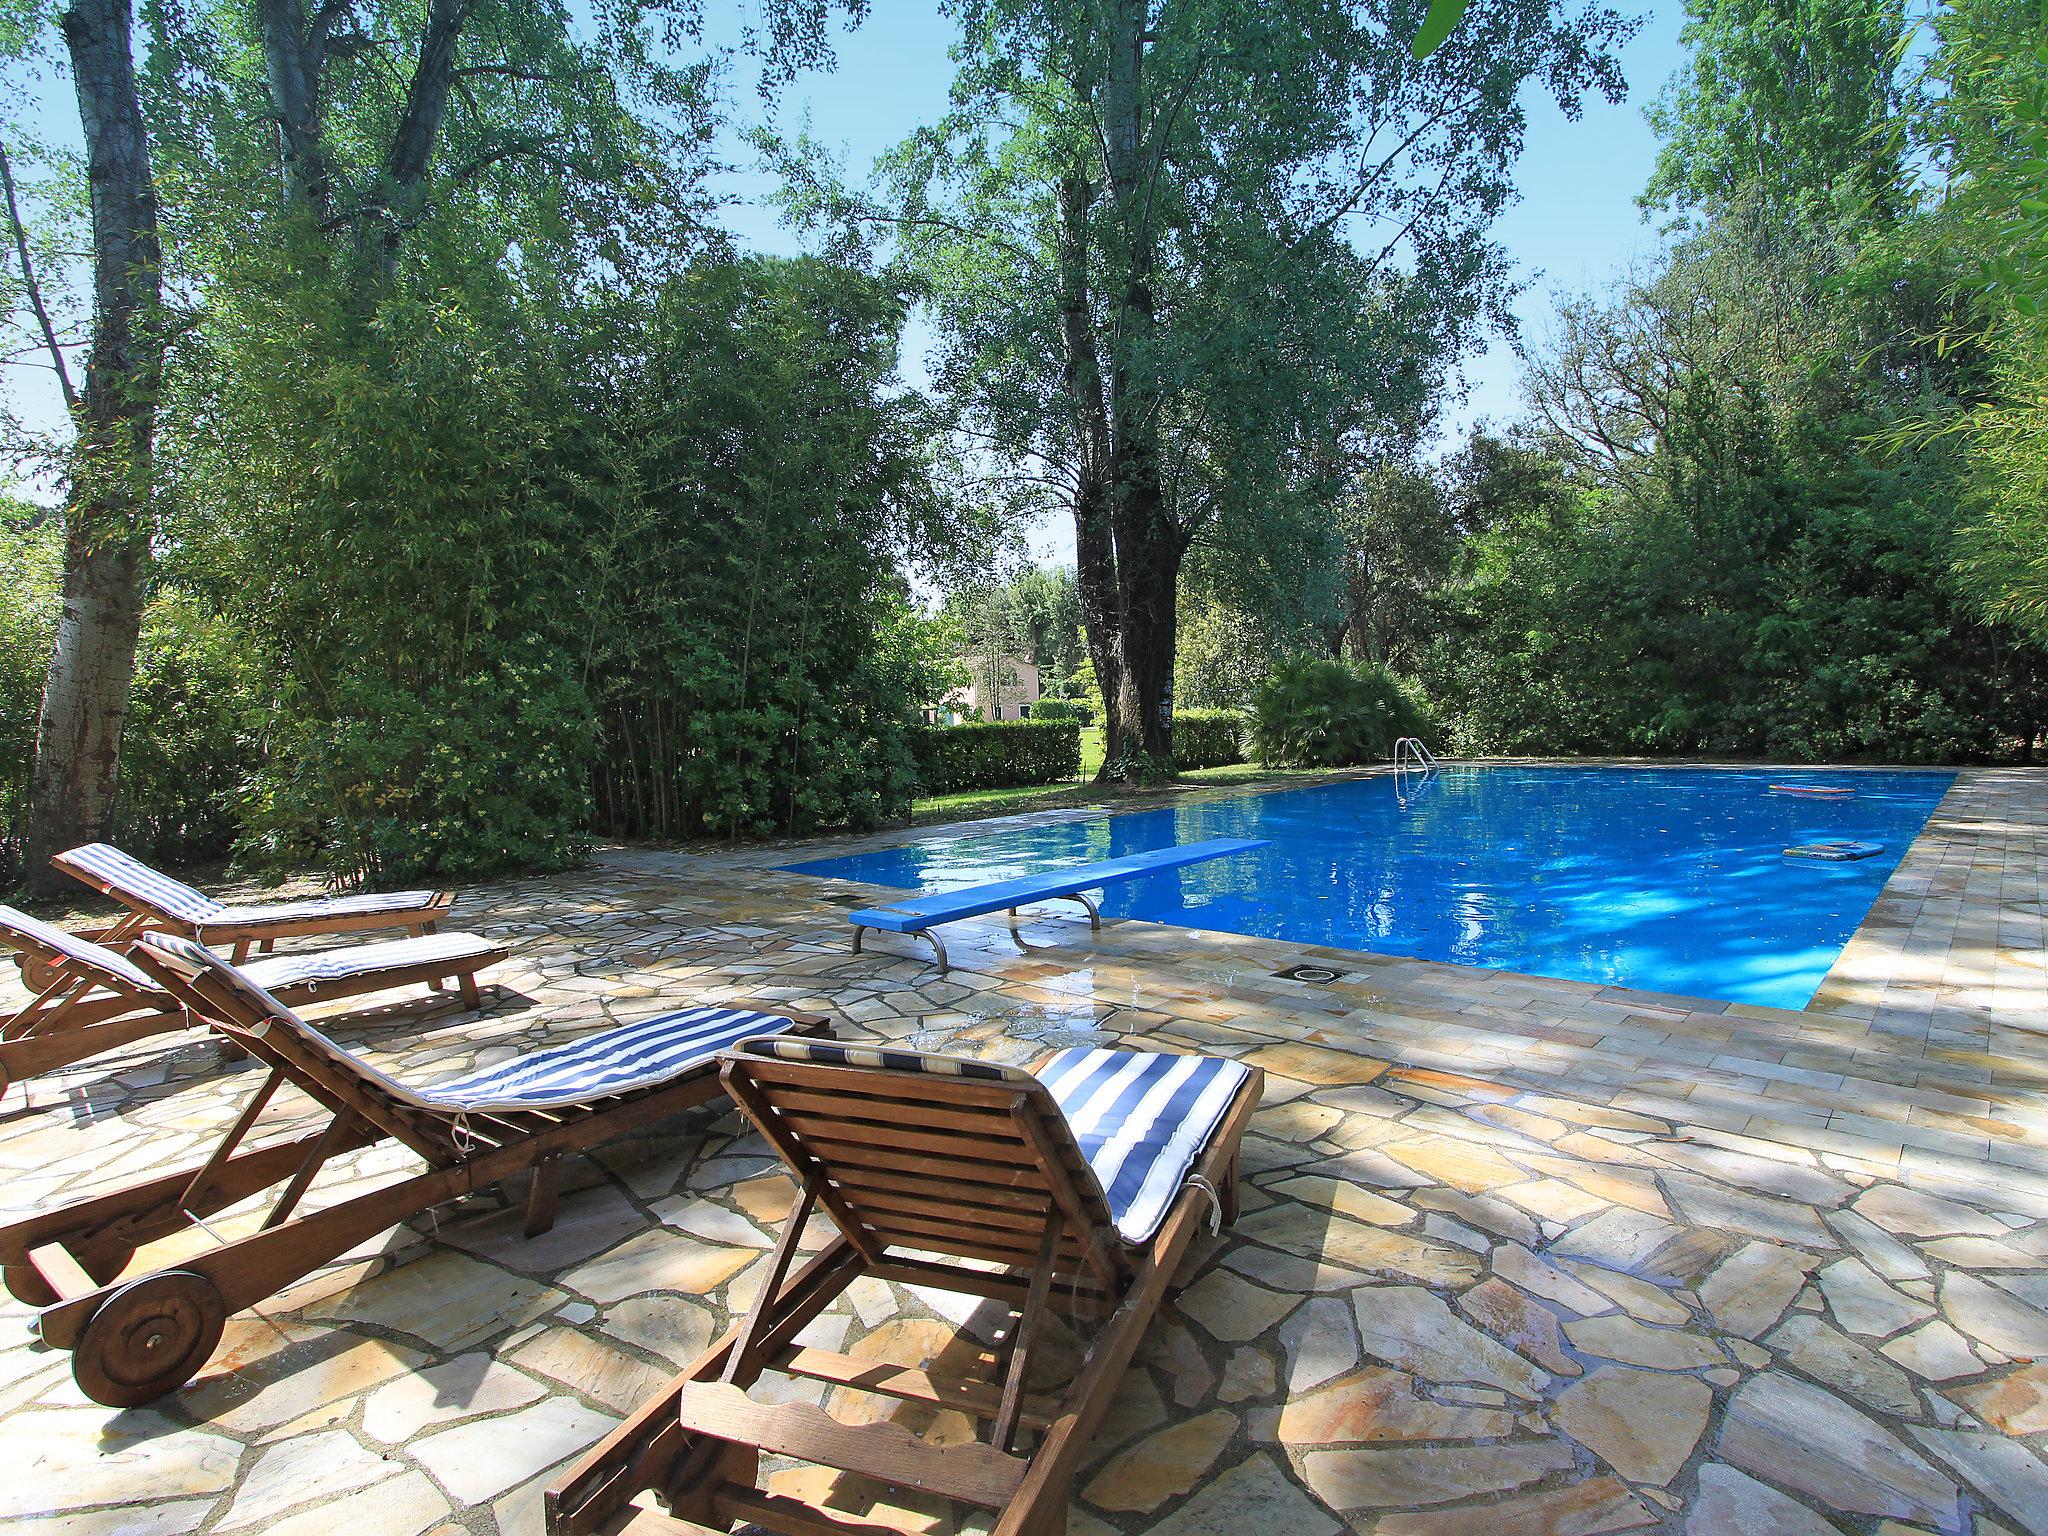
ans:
x=1737 y=559
x=318 y=144
x=107 y=511
x=1400 y=541
x=1982 y=107
x=1051 y=606
x=1136 y=232
x=1791 y=99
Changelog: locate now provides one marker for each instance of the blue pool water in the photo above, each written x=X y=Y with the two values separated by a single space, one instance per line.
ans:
x=1666 y=879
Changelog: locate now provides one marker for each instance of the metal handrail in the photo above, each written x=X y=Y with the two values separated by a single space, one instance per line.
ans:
x=1410 y=748
x=1410 y=757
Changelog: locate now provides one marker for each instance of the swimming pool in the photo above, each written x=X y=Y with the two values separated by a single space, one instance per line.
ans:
x=1665 y=879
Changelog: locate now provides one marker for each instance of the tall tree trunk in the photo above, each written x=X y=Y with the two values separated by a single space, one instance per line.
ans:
x=106 y=515
x=295 y=64
x=1148 y=548
x=412 y=143
x=1148 y=560
x=299 y=47
x=1094 y=544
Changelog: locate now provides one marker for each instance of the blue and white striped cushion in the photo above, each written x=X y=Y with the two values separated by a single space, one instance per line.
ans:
x=275 y=973
x=84 y=957
x=1142 y=1120
x=320 y=906
x=617 y=1061
x=131 y=879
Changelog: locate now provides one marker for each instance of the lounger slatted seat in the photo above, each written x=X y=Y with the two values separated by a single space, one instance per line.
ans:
x=94 y=998
x=155 y=900
x=1076 y=1189
x=136 y=1339
x=920 y=914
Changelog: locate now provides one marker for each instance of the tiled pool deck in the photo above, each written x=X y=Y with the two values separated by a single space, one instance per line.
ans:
x=1519 y=1255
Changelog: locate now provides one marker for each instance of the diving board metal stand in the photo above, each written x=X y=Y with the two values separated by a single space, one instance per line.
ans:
x=921 y=914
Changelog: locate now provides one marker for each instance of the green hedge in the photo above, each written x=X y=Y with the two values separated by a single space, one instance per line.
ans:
x=996 y=754
x=1209 y=738
x=1076 y=710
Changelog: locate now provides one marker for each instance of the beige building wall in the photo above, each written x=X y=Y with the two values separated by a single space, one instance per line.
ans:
x=1008 y=689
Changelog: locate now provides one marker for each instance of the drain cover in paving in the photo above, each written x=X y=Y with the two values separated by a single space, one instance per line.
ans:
x=1314 y=975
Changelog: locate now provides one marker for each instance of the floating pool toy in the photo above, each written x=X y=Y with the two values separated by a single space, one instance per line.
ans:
x=1823 y=791
x=1838 y=849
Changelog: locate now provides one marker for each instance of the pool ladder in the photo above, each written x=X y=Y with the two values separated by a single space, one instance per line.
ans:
x=1411 y=757
x=1409 y=752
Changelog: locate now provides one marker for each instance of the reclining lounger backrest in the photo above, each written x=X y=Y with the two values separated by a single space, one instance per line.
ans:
x=77 y=957
x=932 y=1153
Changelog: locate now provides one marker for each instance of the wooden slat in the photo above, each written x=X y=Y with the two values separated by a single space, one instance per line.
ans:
x=1078 y=1294
x=844 y=1104
x=945 y=1237
x=1013 y=1249
x=67 y=1277
x=786 y=1517
x=980 y=1093
x=974 y=1474
x=940 y=1191
x=819 y=1132
x=1004 y=1175
x=993 y=1285
x=979 y=1398
x=1069 y=1265
x=968 y=1213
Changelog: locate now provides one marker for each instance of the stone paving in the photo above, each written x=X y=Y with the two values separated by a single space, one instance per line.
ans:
x=1517 y=1255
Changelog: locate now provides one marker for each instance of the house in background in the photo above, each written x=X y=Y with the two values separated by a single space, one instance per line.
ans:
x=1001 y=688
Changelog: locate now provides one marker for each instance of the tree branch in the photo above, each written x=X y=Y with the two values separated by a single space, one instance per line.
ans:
x=34 y=288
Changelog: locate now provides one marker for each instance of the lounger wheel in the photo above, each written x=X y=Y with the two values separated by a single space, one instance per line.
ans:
x=27 y=1286
x=37 y=974
x=149 y=1338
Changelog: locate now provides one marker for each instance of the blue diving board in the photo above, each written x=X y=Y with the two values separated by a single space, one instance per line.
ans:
x=921 y=913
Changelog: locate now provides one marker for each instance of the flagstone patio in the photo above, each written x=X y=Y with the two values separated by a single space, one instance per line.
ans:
x=1517 y=1255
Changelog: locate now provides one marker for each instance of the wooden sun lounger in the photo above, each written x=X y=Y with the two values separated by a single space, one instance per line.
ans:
x=95 y=998
x=134 y=1340
x=155 y=901
x=920 y=914
x=1077 y=1190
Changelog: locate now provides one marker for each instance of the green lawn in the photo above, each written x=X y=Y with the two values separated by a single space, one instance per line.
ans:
x=1039 y=797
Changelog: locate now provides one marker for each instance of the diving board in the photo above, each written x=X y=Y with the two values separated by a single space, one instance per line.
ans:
x=921 y=914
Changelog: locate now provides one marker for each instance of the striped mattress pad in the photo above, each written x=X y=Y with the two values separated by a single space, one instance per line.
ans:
x=82 y=957
x=621 y=1060
x=130 y=880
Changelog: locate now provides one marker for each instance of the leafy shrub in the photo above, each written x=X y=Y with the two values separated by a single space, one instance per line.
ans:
x=1209 y=738
x=388 y=783
x=996 y=754
x=1318 y=713
x=190 y=744
x=28 y=622
x=1076 y=710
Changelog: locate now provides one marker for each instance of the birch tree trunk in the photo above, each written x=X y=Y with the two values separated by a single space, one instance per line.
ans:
x=107 y=511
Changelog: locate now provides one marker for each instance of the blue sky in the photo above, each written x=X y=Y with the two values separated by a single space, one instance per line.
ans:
x=1574 y=225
